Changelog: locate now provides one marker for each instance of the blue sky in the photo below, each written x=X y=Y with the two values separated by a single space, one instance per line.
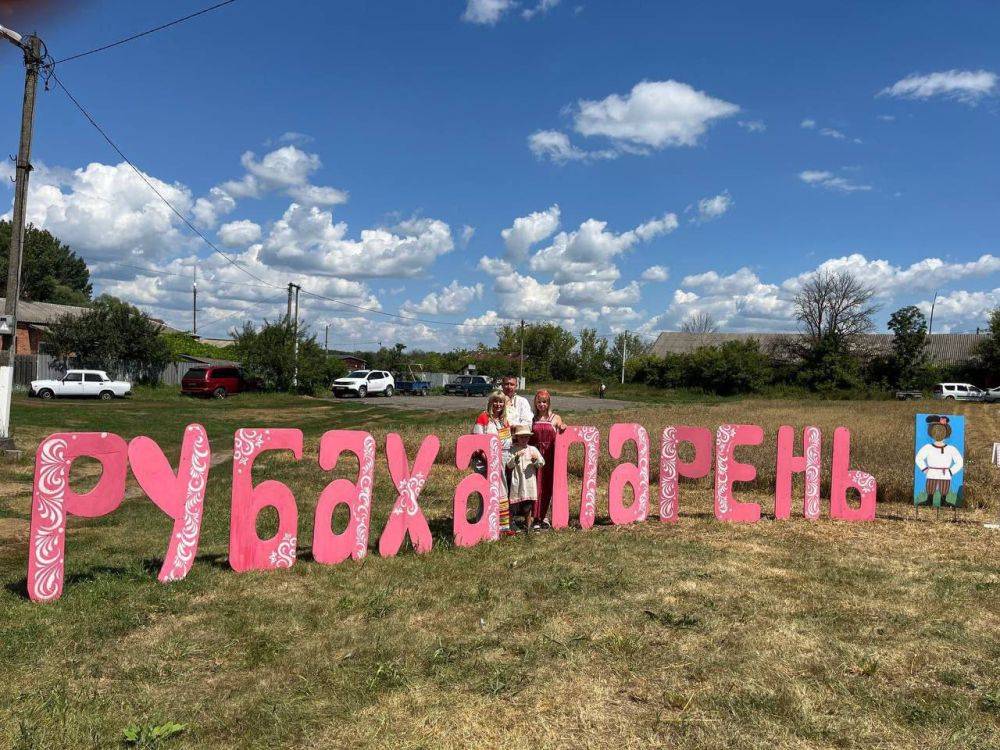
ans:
x=649 y=161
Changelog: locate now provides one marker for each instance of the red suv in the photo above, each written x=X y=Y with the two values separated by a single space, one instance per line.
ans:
x=217 y=382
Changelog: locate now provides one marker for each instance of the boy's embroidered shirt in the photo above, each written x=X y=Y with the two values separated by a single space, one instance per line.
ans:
x=524 y=473
x=939 y=461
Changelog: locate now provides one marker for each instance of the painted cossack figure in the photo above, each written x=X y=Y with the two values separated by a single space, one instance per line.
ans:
x=938 y=460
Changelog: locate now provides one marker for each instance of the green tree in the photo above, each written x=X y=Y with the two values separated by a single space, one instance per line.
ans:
x=632 y=344
x=909 y=346
x=113 y=336
x=987 y=353
x=50 y=270
x=268 y=355
x=592 y=355
x=548 y=350
x=834 y=310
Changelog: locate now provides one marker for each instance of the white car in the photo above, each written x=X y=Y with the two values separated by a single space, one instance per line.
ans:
x=81 y=383
x=958 y=392
x=361 y=383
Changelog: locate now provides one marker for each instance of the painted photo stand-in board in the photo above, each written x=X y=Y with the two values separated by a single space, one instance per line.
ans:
x=939 y=461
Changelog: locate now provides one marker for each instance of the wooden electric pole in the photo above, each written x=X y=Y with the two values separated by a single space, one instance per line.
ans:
x=522 y=355
x=32 y=48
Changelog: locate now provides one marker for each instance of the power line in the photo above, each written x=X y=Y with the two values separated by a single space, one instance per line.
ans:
x=221 y=318
x=152 y=187
x=233 y=262
x=146 y=32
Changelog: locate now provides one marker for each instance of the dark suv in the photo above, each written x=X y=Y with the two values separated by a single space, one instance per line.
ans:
x=470 y=385
x=217 y=382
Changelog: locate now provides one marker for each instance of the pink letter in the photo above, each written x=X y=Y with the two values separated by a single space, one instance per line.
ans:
x=635 y=475
x=728 y=470
x=488 y=527
x=53 y=501
x=181 y=496
x=406 y=516
x=330 y=548
x=788 y=464
x=591 y=439
x=841 y=478
x=247 y=551
x=671 y=468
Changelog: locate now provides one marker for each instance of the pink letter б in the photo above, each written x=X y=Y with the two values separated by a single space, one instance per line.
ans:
x=181 y=496
x=488 y=527
x=246 y=550
x=330 y=548
x=53 y=501
x=406 y=516
x=729 y=470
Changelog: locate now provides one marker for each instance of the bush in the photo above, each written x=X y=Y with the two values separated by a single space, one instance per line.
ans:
x=113 y=336
x=268 y=356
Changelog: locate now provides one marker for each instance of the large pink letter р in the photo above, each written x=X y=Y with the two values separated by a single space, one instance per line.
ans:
x=53 y=501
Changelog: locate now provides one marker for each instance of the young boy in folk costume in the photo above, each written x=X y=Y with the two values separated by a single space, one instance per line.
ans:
x=524 y=463
x=939 y=461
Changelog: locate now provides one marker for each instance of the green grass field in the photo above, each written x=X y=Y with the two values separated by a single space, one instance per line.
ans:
x=697 y=635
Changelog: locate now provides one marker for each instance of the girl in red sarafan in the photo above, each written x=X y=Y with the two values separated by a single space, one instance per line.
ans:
x=544 y=430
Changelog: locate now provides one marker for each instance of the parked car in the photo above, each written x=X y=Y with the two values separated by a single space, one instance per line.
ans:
x=81 y=384
x=216 y=381
x=992 y=395
x=470 y=385
x=361 y=383
x=958 y=392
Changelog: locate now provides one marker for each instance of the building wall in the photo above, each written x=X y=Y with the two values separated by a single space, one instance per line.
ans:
x=28 y=341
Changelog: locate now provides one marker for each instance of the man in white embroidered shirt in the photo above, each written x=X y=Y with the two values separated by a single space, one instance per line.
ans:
x=518 y=409
x=939 y=461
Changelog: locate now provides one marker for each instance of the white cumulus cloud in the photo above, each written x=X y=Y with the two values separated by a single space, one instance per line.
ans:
x=527 y=230
x=239 y=233
x=656 y=273
x=449 y=300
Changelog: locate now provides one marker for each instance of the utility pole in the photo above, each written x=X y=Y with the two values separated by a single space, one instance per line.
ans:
x=930 y=325
x=32 y=48
x=295 y=340
x=522 y=354
x=326 y=339
x=288 y=315
x=624 y=347
x=194 y=303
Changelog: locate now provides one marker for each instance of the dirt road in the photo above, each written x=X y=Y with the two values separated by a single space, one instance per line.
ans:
x=460 y=403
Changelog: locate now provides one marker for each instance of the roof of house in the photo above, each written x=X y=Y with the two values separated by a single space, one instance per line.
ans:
x=43 y=313
x=197 y=360
x=943 y=348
